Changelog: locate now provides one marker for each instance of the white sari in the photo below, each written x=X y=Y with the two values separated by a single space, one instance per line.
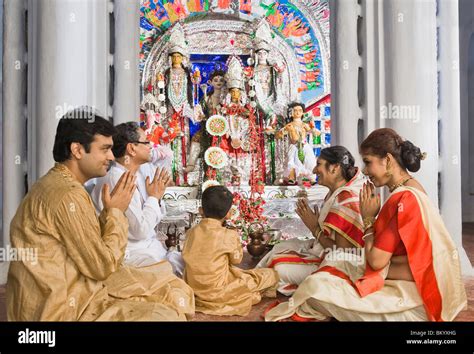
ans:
x=296 y=259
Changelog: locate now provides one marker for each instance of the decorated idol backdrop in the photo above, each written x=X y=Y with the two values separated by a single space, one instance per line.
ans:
x=220 y=79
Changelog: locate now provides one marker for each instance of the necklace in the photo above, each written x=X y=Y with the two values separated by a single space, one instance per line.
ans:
x=395 y=186
x=177 y=89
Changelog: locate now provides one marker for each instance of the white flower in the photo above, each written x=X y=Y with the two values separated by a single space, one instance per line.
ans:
x=251 y=93
x=253 y=104
x=161 y=97
x=161 y=84
x=163 y=109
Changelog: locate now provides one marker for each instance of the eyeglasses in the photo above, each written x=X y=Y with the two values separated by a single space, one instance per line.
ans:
x=141 y=142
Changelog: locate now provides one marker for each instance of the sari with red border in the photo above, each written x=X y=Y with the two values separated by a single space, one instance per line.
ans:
x=432 y=255
x=433 y=259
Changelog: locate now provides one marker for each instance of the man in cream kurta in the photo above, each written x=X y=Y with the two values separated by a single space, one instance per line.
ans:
x=78 y=273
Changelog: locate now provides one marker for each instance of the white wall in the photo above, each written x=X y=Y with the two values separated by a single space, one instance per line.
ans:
x=466 y=43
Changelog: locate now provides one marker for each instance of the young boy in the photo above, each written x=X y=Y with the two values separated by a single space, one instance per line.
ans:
x=210 y=253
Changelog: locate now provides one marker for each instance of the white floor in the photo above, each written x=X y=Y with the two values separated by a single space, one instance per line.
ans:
x=3 y=272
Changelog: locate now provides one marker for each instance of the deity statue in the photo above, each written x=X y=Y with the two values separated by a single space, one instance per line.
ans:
x=267 y=77
x=265 y=82
x=178 y=91
x=237 y=112
x=301 y=159
x=210 y=105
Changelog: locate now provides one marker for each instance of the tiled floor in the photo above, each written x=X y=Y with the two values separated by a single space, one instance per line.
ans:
x=257 y=310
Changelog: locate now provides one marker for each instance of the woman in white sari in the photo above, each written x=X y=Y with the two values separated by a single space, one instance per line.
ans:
x=337 y=225
x=411 y=270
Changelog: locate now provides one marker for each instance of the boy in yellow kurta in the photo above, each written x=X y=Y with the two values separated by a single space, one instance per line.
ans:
x=210 y=253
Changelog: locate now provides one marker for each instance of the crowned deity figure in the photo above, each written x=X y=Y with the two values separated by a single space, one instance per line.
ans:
x=265 y=89
x=238 y=113
x=211 y=104
x=301 y=159
x=267 y=77
x=178 y=91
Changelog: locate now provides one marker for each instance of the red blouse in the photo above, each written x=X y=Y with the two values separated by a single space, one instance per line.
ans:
x=387 y=237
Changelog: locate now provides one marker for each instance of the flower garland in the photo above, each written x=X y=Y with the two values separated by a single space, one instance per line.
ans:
x=250 y=211
x=159 y=135
x=251 y=208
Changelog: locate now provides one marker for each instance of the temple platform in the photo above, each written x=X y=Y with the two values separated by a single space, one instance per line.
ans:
x=182 y=206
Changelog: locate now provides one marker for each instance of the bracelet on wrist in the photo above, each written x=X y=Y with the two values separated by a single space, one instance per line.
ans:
x=368 y=222
x=367 y=235
x=319 y=235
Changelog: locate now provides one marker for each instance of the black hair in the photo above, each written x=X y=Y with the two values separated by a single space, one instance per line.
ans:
x=291 y=106
x=79 y=126
x=126 y=134
x=339 y=155
x=215 y=73
x=216 y=202
x=385 y=140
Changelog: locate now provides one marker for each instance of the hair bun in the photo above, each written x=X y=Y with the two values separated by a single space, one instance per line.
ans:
x=411 y=156
x=351 y=172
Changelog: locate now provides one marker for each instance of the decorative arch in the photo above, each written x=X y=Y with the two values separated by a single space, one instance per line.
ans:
x=301 y=35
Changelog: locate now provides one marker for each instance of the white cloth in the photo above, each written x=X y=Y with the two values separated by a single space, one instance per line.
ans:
x=305 y=168
x=144 y=213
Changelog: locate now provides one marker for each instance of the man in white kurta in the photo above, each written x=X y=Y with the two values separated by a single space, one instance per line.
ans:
x=144 y=213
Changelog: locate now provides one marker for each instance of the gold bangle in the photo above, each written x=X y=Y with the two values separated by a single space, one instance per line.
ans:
x=318 y=235
x=368 y=222
x=366 y=235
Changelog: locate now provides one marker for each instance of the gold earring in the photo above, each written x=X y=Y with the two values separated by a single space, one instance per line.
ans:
x=388 y=172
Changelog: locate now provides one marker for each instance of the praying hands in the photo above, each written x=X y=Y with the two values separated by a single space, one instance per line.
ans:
x=308 y=216
x=156 y=188
x=122 y=194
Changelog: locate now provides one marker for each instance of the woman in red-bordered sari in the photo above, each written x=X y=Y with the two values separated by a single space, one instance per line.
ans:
x=337 y=225
x=411 y=270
